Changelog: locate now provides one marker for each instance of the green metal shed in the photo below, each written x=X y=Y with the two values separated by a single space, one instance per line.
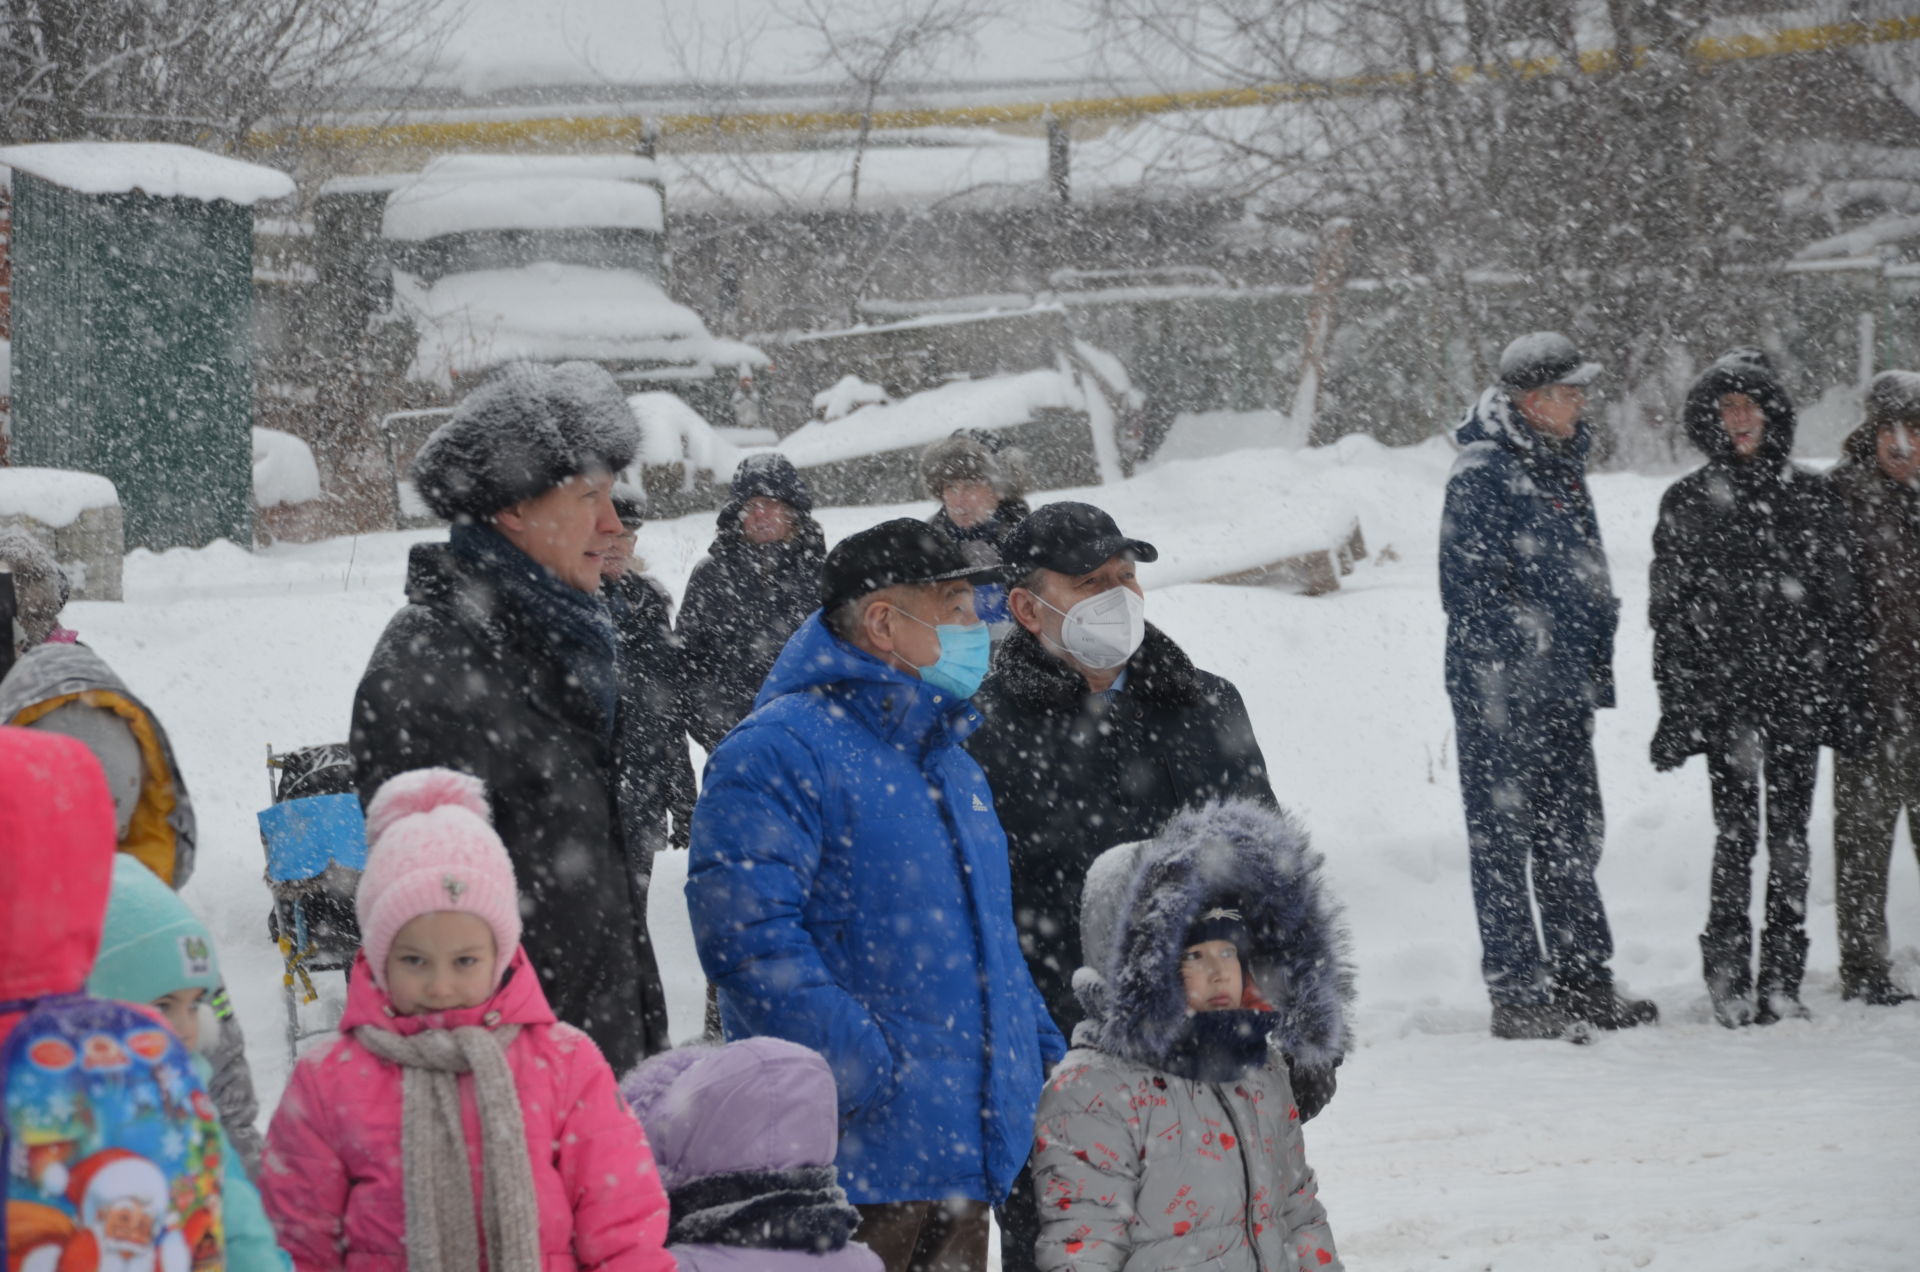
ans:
x=132 y=328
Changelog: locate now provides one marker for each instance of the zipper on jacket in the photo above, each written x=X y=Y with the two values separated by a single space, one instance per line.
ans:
x=1246 y=1176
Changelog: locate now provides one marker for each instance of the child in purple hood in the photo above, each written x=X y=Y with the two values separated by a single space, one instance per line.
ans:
x=744 y=1137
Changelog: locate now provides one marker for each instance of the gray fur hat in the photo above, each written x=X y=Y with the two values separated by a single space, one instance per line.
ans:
x=970 y=455
x=40 y=587
x=525 y=431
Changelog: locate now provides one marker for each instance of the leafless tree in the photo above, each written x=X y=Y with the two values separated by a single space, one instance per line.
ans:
x=204 y=72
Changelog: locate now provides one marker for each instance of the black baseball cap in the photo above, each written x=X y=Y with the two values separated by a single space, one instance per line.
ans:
x=901 y=551
x=1540 y=358
x=1069 y=538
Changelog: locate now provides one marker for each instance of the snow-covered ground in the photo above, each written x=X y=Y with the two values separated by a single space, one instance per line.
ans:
x=1681 y=1147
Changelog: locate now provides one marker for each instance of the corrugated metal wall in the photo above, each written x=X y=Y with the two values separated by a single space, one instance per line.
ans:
x=132 y=354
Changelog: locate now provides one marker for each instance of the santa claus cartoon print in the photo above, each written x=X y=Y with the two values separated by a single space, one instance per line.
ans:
x=125 y=1221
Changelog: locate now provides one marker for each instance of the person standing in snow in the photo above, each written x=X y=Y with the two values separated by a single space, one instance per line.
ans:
x=848 y=890
x=505 y=664
x=1878 y=481
x=1169 y=1137
x=656 y=775
x=59 y=685
x=1097 y=729
x=760 y=579
x=1530 y=623
x=1756 y=651
x=981 y=484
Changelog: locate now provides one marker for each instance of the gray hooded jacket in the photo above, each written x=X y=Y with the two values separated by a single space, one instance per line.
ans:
x=1169 y=1140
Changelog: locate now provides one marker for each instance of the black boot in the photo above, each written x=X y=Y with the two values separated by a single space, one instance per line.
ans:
x=1783 y=963
x=1874 y=989
x=1727 y=959
x=1603 y=1007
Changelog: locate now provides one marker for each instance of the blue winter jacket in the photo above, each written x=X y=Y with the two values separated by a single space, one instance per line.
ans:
x=1530 y=607
x=848 y=888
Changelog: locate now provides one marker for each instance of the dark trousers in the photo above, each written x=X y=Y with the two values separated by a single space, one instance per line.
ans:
x=1534 y=830
x=1869 y=793
x=1019 y=1220
x=1749 y=768
x=926 y=1236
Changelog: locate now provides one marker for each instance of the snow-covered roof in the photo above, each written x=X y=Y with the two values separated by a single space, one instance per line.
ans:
x=550 y=312
x=53 y=496
x=606 y=167
x=998 y=402
x=456 y=204
x=160 y=169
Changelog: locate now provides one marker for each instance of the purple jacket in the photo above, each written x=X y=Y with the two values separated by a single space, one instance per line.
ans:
x=754 y=1116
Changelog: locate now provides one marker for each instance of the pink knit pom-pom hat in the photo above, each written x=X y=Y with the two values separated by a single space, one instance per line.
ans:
x=431 y=846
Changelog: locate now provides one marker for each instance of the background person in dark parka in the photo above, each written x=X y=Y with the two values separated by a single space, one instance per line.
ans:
x=1878 y=479
x=1757 y=653
x=504 y=664
x=758 y=583
x=1530 y=622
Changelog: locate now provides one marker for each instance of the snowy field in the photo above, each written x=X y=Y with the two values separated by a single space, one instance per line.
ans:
x=1681 y=1147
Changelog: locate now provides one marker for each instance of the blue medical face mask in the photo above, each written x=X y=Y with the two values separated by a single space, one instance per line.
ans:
x=965 y=649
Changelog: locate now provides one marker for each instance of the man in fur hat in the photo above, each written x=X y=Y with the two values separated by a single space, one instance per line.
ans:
x=505 y=664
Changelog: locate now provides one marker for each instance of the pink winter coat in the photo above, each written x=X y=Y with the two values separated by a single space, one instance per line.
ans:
x=331 y=1177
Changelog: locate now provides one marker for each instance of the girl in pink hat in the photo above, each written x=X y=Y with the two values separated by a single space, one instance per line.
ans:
x=455 y=1124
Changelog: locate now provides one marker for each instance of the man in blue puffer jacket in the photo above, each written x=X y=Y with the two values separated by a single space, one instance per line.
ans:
x=849 y=891
x=1530 y=623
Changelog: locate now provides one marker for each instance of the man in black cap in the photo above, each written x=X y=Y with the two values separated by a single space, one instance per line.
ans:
x=848 y=889
x=1098 y=729
x=1530 y=622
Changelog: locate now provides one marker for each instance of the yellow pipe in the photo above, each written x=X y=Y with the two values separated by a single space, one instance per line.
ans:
x=627 y=130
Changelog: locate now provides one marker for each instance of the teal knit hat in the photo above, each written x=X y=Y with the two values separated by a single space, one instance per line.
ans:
x=152 y=944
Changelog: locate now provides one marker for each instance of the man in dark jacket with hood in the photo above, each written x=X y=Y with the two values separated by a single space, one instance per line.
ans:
x=759 y=581
x=1878 y=481
x=1530 y=623
x=505 y=664
x=1756 y=650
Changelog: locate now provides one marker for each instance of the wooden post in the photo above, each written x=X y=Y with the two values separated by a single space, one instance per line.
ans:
x=1329 y=274
x=1058 y=157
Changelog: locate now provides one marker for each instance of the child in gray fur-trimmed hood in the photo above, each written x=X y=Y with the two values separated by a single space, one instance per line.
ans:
x=1170 y=1137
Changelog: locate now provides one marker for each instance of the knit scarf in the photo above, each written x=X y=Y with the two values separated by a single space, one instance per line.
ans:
x=441 y=1235
x=575 y=624
x=799 y=1209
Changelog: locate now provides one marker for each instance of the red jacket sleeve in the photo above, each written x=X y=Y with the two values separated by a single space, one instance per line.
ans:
x=303 y=1181
x=619 y=1207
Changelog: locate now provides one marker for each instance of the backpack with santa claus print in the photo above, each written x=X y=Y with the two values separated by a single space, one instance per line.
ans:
x=112 y=1145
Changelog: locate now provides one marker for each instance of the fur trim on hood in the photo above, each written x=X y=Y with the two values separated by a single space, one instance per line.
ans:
x=1140 y=899
x=1749 y=371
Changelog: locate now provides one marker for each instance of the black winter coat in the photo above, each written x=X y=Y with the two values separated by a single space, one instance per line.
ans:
x=464 y=680
x=1074 y=774
x=1756 y=620
x=741 y=605
x=656 y=773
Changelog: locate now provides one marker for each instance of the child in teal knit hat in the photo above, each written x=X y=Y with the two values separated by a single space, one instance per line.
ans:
x=154 y=951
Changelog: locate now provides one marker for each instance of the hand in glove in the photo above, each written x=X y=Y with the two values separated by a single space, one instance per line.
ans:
x=1313 y=1086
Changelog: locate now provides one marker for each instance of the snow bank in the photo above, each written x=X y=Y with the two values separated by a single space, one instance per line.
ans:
x=284 y=470
x=846 y=395
x=671 y=432
x=1199 y=434
x=550 y=312
x=160 y=169
x=999 y=402
x=462 y=203
x=55 y=497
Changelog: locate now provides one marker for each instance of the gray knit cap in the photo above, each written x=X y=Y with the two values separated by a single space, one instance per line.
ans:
x=525 y=431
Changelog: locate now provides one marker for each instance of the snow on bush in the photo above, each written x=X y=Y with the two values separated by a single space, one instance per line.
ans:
x=284 y=471
x=160 y=169
x=671 y=432
x=848 y=394
x=54 y=497
x=996 y=403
